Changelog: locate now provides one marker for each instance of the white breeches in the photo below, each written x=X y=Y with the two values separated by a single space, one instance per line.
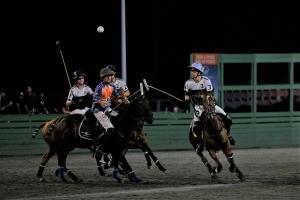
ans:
x=199 y=111
x=79 y=111
x=104 y=120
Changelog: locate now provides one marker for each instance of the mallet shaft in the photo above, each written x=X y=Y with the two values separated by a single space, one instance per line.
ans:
x=165 y=93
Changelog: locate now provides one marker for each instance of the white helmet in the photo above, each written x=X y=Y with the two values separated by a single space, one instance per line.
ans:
x=198 y=66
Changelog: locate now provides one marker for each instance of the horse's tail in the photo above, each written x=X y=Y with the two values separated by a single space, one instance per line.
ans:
x=35 y=132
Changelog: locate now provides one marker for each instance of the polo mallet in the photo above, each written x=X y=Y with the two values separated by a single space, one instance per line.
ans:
x=62 y=57
x=149 y=86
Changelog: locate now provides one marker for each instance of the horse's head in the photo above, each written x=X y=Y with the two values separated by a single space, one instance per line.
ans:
x=140 y=108
x=212 y=120
x=208 y=103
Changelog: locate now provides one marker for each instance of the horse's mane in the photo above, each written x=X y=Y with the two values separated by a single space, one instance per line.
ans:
x=129 y=116
x=213 y=123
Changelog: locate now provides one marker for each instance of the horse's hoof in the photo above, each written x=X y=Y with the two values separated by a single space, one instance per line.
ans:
x=135 y=180
x=79 y=180
x=118 y=179
x=42 y=179
x=63 y=179
x=57 y=172
x=213 y=176
x=241 y=177
x=102 y=174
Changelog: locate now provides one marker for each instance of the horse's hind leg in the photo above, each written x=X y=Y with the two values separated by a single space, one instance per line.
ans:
x=233 y=168
x=45 y=158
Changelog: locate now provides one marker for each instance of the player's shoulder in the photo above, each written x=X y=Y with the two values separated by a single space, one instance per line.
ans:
x=74 y=87
x=86 y=86
x=205 y=78
x=120 y=80
x=189 y=81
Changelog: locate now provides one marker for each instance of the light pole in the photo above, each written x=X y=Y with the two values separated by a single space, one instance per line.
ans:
x=123 y=40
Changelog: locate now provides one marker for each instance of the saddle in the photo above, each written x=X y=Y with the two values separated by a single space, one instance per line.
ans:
x=90 y=128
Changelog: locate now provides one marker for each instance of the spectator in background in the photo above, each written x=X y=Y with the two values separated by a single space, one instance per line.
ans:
x=31 y=100
x=20 y=104
x=5 y=103
x=41 y=104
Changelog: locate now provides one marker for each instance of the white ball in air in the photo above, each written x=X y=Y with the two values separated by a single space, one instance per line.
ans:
x=100 y=29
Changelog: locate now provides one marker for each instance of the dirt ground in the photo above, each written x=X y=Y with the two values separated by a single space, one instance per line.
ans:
x=270 y=174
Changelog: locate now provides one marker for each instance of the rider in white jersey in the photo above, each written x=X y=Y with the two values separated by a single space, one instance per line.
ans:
x=197 y=84
x=80 y=95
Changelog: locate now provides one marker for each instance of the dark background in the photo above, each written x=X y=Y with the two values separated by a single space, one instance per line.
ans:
x=161 y=35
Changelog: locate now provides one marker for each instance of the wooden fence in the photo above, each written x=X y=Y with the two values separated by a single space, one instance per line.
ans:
x=168 y=132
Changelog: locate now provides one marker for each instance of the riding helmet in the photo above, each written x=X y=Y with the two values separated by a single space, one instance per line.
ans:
x=106 y=72
x=197 y=66
x=112 y=68
x=77 y=74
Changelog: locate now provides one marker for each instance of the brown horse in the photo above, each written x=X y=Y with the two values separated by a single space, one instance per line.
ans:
x=215 y=137
x=62 y=136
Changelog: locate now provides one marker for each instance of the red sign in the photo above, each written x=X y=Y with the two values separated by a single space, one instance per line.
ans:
x=206 y=58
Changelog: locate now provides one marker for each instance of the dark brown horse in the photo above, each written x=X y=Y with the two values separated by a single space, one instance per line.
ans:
x=215 y=137
x=136 y=115
x=62 y=136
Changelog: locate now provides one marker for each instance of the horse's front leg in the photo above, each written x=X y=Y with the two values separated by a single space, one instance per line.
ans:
x=131 y=174
x=147 y=157
x=213 y=155
x=115 y=165
x=199 y=152
x=154 y=158
x=98 y=157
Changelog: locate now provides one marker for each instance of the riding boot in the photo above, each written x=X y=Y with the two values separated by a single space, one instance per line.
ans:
x=228 y=122
x=103 y=139
x=198 y=131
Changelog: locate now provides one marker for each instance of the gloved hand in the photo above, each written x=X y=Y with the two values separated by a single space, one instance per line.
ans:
x=123 y=100
x=126 y=101
x=111 y=113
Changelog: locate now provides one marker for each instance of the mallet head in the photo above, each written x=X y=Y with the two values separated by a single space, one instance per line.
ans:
x=145 y=84
x=58 y=43
x=142 y=88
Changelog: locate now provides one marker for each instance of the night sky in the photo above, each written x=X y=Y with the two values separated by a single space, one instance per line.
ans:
x=161 y=35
